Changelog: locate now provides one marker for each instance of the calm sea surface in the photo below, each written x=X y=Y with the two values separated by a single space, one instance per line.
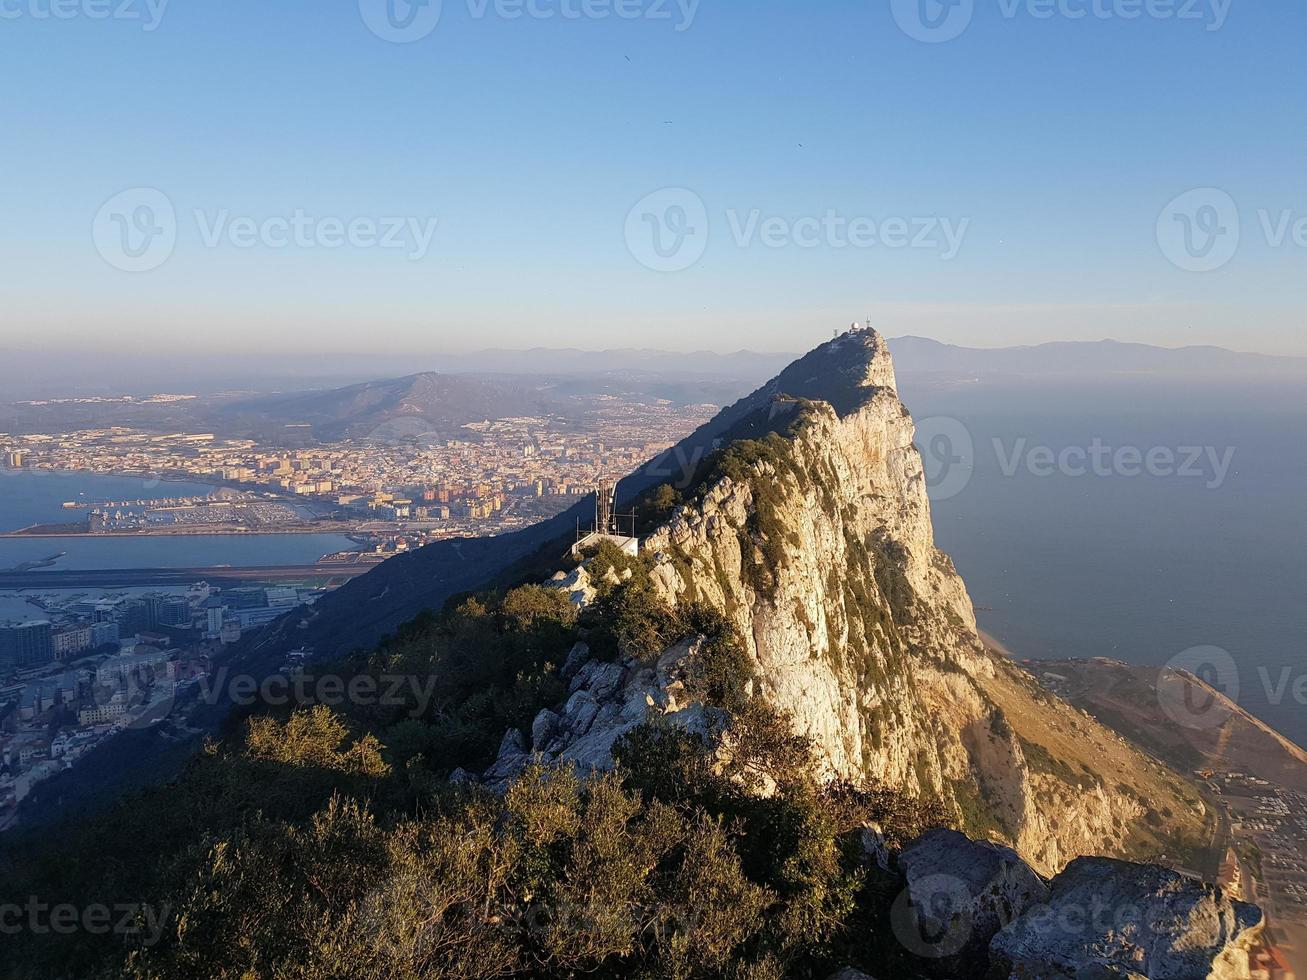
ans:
x=1138 y=568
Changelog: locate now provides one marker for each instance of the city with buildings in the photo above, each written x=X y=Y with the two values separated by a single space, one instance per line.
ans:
x=81 y=667
x=391 y=491
x=97 y=666
x=1268 y=865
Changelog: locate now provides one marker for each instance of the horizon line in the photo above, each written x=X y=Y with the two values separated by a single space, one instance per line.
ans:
x=739 y=352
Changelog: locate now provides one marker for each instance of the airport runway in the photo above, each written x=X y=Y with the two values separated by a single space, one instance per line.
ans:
x=116 y=578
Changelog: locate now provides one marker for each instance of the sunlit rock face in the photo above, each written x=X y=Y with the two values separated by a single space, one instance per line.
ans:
x=814 y=537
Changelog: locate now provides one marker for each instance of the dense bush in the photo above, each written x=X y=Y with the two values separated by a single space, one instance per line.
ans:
x=327 y=843
x=488 y=664
x=668 y=867
x=556 y=877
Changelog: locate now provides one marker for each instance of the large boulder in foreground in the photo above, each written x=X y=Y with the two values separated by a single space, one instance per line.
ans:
x=1120 y=919
x=960 y=893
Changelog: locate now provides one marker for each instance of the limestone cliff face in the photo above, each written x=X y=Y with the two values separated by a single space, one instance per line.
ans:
x=853 y=602
x=816 y=540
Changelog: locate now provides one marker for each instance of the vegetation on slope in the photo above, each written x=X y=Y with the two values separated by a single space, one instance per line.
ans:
x=1058 y=741
x=321 y=842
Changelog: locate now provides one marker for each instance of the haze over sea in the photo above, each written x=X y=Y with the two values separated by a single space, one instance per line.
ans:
x=1136 y=568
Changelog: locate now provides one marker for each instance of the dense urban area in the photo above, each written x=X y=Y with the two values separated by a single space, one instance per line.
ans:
x=394 y=490
x=1266 y=864
x=100 y=666
x=96 y=664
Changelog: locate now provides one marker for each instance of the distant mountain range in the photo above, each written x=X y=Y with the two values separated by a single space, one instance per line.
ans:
x=497 y=383
x=421 y=406
x=911 y=355
x=920 y=355
x=26 y=374
x=413 y=406
x=32 y=374
x=547 y=360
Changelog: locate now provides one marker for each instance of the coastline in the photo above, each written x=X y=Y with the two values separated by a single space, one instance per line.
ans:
x=1245 y=744
x=41 y=474
x=23 y=534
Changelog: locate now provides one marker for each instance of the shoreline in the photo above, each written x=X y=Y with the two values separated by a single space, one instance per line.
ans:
x=362 y=526
x=24 y=535
x=48 y=530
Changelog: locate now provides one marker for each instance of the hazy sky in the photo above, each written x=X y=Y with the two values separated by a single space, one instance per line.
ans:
x=600 y=173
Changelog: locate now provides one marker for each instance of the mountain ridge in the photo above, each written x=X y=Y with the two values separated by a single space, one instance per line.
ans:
x=427 y=403
x=28 y=373
x=814 y=538
x=399 y=588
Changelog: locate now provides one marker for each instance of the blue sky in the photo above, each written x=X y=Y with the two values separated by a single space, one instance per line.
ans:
x=1008 y=184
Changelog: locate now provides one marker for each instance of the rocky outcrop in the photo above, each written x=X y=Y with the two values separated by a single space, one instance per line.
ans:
x=960 y=893
x=974 y=909
x=605 y=702
x=580 y=590
x=1113 y=919
x=810 y=532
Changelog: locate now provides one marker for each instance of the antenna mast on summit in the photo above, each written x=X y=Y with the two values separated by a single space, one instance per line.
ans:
x=605 y=500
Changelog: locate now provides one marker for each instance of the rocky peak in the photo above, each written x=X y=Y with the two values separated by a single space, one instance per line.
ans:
x=809 y=530
x=845 y=372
